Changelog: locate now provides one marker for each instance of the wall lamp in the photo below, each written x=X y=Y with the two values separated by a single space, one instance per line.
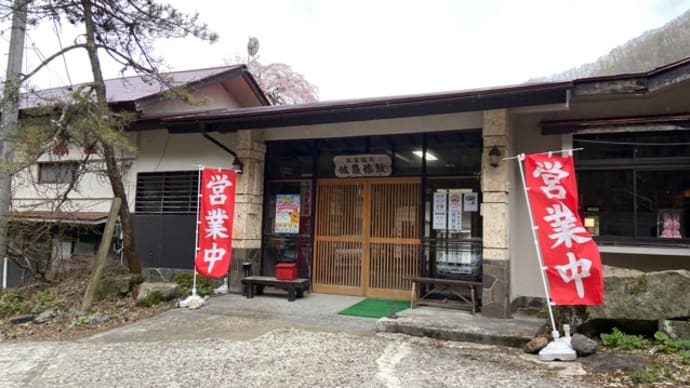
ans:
x=238 y=166
x=494 y=157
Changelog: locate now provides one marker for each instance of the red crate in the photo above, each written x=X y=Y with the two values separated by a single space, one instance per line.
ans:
x=286 y=271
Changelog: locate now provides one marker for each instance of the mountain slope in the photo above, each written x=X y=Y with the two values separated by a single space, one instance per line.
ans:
x=654 y=48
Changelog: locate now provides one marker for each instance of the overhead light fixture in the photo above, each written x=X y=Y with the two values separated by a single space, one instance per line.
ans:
x=237 y=166
x=429 y=155
x=494 y=157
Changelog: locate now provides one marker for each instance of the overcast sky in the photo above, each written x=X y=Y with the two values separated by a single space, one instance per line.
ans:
x=367 y=48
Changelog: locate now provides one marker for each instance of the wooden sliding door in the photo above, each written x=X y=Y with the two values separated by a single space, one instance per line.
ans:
x=367 y=236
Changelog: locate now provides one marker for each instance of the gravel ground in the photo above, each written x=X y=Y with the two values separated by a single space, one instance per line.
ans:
x=282 y=357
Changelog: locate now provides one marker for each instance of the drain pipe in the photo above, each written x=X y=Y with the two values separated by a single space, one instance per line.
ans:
x=236 y=162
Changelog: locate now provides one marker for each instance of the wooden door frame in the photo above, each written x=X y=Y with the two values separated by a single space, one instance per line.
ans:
x=364 y=239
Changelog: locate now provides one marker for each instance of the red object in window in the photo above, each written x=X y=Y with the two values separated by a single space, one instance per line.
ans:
x=286 y=271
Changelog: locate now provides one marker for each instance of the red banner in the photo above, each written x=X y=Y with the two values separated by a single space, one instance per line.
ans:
x=570 y=256
x=216 y=213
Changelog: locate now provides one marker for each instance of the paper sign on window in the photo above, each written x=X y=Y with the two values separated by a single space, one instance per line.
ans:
x=287 y=213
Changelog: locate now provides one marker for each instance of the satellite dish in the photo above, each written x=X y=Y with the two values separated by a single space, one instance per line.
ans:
x=252 y=46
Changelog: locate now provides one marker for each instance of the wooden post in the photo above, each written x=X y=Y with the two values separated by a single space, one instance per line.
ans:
x=101 y=255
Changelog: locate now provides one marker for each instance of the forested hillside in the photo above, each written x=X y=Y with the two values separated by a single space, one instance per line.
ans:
x=650 y=50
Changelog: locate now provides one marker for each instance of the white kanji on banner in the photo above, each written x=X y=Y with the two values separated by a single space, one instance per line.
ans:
x=564 y=224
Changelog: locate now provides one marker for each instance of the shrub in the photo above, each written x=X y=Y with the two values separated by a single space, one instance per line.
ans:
x=204 y=285
x=42 y=300
x=152 y=299
x=619 y=340
x=14 y=302
x=666 y=345
x=81 y=320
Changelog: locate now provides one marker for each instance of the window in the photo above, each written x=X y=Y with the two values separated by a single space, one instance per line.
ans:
x=170 y=192
x=635 y=187
x=57 y=172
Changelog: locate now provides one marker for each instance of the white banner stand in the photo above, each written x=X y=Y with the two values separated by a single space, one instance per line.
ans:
x=559 y=348
x=195 y=301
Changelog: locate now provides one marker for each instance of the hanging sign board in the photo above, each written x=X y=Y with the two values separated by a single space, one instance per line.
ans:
x=287 y=214
x=350 y=166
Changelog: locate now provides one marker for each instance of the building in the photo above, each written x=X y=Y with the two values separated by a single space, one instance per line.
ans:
x=425 y=184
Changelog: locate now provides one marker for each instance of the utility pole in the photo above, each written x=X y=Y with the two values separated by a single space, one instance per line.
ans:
x=10 y=115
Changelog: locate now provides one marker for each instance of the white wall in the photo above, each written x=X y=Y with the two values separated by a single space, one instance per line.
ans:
x=524 y=267
x=209 y=98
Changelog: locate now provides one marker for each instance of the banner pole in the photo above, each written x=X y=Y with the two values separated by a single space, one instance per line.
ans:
x=542 y=269
x=196 y=237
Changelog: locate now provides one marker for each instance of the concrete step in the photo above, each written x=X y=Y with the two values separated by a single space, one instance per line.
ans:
x=459 y=325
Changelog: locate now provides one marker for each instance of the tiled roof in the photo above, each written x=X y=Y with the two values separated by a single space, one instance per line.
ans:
x=125 y=89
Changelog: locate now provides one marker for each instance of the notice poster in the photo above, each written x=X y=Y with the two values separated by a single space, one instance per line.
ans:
x=470 y=202
x=440 y=210
x=454 y=211
x=287 y=214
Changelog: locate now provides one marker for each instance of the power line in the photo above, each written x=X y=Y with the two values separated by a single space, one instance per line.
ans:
x=64 y=59
x=629 y=143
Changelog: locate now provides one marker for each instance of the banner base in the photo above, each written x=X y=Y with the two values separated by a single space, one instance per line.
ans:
x=192 y=302
x=558 y=349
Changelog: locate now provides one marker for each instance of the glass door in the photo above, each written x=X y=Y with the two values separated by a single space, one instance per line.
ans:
x=452 y=235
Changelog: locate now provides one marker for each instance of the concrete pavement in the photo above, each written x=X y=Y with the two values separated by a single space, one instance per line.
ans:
x=270 y=342
x=236 y=317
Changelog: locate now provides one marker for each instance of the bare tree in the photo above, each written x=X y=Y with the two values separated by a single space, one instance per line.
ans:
x=125 y=31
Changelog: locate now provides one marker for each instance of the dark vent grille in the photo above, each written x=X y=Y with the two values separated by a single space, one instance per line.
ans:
x=170 y=192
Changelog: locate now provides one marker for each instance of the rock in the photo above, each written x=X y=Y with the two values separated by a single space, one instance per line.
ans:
x=583 y=345
x=17 y=319
x=99 y=318
x=630 y=294
x=112 y=287
x=77 y=313
x=675 y=329
x=536 y=344
x=158 y=275
x=169 y=291
x=47 y=315
x=611 y=361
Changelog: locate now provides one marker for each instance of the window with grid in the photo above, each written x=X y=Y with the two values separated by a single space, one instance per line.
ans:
x=169 y=192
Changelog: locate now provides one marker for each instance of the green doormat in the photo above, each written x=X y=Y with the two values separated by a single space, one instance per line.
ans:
x=375 y=308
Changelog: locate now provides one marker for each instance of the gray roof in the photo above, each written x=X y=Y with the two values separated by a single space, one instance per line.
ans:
x=129 y=89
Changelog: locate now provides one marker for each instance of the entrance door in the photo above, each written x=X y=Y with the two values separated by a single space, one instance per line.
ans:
x=367 y=236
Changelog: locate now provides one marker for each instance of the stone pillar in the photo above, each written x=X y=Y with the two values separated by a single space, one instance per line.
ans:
x=246 y=231
x=495 y=186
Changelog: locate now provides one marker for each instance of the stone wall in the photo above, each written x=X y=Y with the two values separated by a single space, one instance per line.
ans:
x=495 y=185
x=246 y=244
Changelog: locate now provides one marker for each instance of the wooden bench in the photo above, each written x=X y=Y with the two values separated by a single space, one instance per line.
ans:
x=254 y=285
x=437 y=286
